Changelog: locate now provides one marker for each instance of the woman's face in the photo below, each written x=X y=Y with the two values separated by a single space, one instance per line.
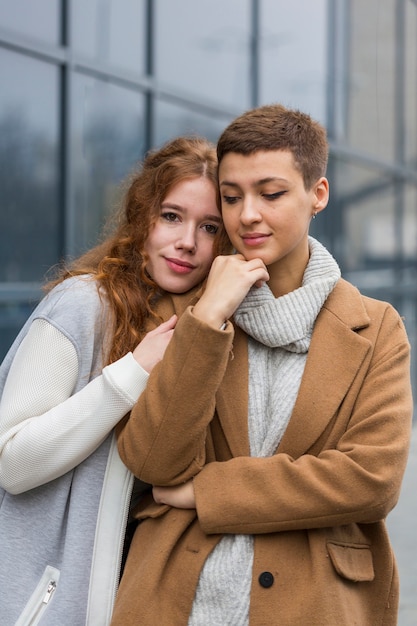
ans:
x=180 y=244
x=267 y=212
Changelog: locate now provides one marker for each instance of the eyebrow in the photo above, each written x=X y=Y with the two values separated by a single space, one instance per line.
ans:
x=178 y=207
x=213 y=218
x=262 y=181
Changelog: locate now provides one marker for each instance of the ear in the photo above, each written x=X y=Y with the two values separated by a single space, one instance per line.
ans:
x=320 y=194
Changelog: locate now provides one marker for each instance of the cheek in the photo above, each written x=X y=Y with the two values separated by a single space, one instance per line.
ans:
x=207 y=253
x=150 y=248
x=230 y=224
x=154 y=241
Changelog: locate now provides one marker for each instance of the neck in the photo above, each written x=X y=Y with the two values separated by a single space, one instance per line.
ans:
x=287 y=274
x=285 y=281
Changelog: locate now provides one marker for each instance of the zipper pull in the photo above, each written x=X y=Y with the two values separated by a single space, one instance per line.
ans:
x=49 y=592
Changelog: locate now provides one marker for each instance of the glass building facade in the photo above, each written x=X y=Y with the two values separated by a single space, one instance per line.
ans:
x=88 y=87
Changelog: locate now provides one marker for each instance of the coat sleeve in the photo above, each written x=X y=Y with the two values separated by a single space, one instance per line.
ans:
x=355 y=477
x=163 y=441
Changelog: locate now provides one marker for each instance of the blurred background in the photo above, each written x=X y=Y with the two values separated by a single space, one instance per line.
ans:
x=87 y=87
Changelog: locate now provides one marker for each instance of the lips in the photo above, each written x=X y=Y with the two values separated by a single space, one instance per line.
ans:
x=179 y=266
x=254 y=239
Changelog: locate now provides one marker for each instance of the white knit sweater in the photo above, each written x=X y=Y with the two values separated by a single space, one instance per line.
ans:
x=45 y=428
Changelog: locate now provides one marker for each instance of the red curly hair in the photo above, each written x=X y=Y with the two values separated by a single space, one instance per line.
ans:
x=118 y=263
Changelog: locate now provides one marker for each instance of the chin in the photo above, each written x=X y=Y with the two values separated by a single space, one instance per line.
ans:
x=256 y=254
x=178 y=288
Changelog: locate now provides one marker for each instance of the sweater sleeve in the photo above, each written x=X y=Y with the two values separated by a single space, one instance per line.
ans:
x=46 y=431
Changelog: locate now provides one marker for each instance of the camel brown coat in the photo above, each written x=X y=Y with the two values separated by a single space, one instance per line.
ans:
x=316 y=508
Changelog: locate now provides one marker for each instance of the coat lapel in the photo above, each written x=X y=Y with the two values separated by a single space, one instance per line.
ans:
x=336 y=353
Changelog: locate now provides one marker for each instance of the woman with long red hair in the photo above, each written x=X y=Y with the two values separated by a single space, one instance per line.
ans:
x=75 y=370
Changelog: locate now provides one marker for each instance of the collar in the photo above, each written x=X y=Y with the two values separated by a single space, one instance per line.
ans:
x=288 y=321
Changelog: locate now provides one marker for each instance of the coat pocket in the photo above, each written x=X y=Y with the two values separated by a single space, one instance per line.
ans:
x=40 y=598
x=352 y=561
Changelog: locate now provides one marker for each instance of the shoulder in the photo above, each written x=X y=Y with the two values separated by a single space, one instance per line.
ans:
x=75 y=299
x=347 y=301
x=76 y=307
x=73 y=290
x=364 y=314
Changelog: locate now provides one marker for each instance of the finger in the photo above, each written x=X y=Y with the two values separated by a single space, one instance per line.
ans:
x=168 y=325
x=156 y=492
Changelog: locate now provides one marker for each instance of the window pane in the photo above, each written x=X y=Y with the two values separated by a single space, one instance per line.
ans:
x=409 y=226
x=367 y=201
x=29 y=168
x=109 y=134
x=380 y=243
x=293 y=54
x=371 y=96
x=111 y=31
x=172 y=120
x=411 y=84
x=39 y=18
x=207 y=51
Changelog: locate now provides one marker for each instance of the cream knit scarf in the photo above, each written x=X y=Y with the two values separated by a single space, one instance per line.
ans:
x=279 y=332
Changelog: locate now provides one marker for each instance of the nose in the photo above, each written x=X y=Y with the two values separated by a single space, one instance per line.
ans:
x=187 y=239
x=250 y=212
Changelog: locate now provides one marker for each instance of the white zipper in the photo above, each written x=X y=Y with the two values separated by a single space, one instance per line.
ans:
x=40 y=598
x=49 y=592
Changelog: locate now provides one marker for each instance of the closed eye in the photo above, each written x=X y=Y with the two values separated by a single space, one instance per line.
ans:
x=273 y=196
x=230 y=199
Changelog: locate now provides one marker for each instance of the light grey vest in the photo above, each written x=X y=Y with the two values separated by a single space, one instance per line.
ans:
x=47 y=534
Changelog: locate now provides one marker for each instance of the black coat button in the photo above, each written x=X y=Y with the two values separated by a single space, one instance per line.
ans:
x=266 y=579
